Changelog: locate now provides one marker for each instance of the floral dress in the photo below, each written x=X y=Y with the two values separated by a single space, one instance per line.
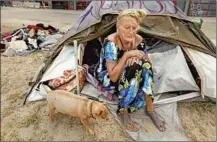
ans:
x=133 y=83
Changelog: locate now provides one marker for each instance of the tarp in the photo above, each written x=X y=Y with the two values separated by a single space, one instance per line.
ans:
x=96 y=9
x=177 y=31
x=100 y=16
x=206 y=66
x=147 y=132
x=171 y=72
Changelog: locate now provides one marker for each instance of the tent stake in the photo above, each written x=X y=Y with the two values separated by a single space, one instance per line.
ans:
x=76 y=65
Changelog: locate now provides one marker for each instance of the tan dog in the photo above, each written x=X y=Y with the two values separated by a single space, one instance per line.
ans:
x=77 y=106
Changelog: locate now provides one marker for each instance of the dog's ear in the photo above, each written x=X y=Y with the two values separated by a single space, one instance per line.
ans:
x=99 y=113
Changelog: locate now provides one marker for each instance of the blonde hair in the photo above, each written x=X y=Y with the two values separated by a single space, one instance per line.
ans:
x=136 y=14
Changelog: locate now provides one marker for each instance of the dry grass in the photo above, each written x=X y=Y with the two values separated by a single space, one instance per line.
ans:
x=198 y=120
x=6 y=112
x=32 y=119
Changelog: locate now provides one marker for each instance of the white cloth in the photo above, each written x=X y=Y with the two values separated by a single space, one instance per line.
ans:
x=18 y=45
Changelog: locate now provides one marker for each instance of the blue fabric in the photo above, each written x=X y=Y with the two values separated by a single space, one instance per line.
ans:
x=111 y=51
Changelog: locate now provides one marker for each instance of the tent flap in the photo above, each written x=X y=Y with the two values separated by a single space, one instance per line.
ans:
x=171 y=72
x=206 y=66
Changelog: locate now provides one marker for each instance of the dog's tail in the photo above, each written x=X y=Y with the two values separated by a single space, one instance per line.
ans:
x=46 y=88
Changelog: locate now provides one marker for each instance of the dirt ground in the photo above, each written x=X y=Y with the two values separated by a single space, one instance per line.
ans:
x=30 y=122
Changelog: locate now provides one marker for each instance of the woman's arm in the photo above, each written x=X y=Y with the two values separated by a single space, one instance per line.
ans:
x=115 y=69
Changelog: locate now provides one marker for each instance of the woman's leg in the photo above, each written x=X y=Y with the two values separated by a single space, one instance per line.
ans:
x=148 y=85
x=149 y=104
x=160 y=124
x=126 y=121
x=125 y=99
x=129 y=100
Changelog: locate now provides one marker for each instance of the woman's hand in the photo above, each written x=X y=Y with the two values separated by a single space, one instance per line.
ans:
x=146 y=57
x=135 y=53
x=132 y=60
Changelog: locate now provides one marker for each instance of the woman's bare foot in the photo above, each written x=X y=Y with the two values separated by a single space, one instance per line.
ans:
x=127 y=122
x=160 y=124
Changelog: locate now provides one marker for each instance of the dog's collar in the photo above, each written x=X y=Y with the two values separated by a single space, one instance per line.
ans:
x=91 y=113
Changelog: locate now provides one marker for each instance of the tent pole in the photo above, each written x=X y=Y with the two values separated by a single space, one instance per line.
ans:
x=176 y=99
x=76 y=65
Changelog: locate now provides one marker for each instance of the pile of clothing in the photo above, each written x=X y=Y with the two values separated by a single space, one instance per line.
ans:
x=23 y=41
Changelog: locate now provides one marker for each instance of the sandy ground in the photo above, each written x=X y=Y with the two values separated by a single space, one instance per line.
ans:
x=30 y=122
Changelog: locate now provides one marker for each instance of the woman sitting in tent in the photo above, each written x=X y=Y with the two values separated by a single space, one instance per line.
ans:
x=125 y=68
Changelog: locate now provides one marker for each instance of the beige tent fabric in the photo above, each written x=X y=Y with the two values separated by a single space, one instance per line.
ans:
x=178 y=31
x=165 y=27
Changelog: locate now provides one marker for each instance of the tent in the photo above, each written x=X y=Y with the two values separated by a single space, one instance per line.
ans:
x=182 y=56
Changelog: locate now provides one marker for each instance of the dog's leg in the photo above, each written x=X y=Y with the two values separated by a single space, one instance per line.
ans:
x=51 y=111
x=87 y=126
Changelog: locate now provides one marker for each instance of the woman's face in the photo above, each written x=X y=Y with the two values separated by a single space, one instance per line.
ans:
x=127 y=28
